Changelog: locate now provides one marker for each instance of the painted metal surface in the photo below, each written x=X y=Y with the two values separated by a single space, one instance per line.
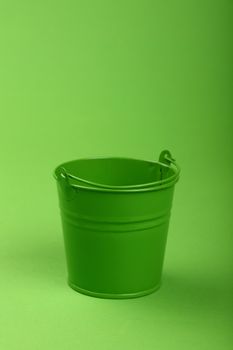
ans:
x=115 y=234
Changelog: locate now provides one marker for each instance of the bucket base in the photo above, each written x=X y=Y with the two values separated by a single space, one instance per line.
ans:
x=114 y=296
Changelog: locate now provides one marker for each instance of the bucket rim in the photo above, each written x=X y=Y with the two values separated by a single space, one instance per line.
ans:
x=152 y=186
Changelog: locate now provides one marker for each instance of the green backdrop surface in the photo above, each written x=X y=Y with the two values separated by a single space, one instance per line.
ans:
x=128 y=78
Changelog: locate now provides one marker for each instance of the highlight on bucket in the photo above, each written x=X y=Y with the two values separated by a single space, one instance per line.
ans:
x=115 y=215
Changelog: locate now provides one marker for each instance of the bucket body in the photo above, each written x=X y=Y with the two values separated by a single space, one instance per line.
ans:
x=114 y=239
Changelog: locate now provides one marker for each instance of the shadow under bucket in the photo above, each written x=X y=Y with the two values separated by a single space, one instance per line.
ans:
x=115 y=216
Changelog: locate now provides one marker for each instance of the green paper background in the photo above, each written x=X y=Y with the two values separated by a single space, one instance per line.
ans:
x=120 y=78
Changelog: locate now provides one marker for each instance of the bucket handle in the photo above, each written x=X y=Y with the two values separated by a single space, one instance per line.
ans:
x=165 y=158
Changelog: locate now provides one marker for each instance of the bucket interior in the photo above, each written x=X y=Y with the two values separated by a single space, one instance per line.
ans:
x=117 y=171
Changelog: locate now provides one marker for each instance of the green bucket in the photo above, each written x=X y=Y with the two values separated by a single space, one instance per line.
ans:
x=115 y=216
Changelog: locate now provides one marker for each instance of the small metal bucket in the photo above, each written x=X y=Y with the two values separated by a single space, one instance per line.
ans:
x=115 y=216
